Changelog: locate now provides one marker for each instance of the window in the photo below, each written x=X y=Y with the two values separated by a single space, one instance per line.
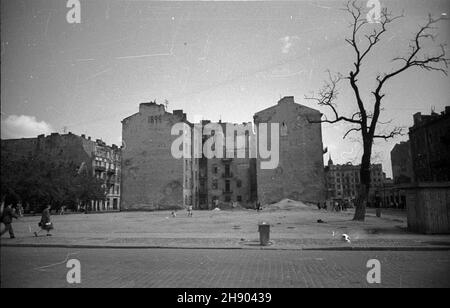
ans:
x=227 y=170
x=215 y=169
x=215 y=184
x=239 y=198
x=284 y=128
x=239 y=183
x=227 y=198
x=227 y=185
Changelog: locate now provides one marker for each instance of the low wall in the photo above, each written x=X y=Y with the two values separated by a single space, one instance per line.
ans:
x=428 y=207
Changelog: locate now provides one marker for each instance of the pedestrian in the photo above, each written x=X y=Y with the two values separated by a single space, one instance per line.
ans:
x=190 y=211
x=7 y=218
x=19 y=209
x=45 y=222
x=318 y=206
x=62 y=209
x=174 y=214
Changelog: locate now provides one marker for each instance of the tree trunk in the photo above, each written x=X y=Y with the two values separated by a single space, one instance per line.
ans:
x=361 y=202
x=364 y=172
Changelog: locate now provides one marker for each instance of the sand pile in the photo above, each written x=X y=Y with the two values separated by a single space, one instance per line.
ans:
x=287 y=204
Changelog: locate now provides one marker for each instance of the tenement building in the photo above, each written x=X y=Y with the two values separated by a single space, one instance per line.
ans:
x=299 y=174
x=401 y=161
x=221 y=163
x=430 y=146
x=99 y=159
x=227 y=177
x=343 y=181
x=152 y=178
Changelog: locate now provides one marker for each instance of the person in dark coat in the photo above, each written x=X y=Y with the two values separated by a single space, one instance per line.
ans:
x=45 y=222
x=7 y=218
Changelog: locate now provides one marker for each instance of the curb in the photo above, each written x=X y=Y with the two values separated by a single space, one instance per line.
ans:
x=352 y=248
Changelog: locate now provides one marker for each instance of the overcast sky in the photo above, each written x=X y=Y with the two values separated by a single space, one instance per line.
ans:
x=215 y=60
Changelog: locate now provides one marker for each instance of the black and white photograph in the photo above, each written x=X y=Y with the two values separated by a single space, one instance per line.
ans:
x=225 y=150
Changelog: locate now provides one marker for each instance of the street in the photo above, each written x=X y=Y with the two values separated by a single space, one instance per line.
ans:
x=221 y=268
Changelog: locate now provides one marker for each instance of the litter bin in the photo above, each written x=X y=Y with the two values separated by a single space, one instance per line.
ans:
x=264 y=232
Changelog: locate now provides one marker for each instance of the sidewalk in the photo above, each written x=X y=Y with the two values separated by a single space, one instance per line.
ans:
x=294 y=229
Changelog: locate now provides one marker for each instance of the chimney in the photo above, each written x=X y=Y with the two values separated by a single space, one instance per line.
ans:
x=417 y=118
x=83 y=136
x=287 y=99
x=179 y=113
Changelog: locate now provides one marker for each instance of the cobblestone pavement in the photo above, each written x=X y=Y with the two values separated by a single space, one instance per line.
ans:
x=181 y=268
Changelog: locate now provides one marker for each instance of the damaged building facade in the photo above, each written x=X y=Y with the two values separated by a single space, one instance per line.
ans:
x=152 y=178
x=224 y=180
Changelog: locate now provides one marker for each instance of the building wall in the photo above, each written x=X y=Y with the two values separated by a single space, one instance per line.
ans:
x=401 y=161
x=68 y=147
x=430 y=147
x=300 y=174
x=151 y=178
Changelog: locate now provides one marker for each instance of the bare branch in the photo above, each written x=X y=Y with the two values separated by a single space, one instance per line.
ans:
x=398 y=131
x=426 y=62
x=355 y=129
x=326 y=97
x=357 y=24
x=411 y=59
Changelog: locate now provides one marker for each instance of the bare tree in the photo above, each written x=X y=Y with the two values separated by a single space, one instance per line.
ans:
x=365 y=120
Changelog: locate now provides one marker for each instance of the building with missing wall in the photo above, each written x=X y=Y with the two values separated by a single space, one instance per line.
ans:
x=152 y=178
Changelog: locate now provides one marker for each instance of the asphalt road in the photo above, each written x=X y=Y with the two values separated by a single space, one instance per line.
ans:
x=214 y=268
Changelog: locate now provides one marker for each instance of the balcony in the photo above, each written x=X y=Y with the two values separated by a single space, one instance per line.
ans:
x=227 y=160
x=100 y=167
x=227 y=175
x=225 y=192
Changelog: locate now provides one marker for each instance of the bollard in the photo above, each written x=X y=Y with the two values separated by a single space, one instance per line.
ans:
x=264 y=233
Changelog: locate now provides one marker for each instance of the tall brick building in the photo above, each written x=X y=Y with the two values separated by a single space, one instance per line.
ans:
x=402 y=171
x=101 y=160
x=430 y=146
x=300 y=174
x=151 y=178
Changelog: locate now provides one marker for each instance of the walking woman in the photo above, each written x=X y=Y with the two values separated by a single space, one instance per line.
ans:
x=45 y=222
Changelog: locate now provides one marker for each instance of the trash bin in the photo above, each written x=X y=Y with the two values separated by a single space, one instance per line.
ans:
x=264 y=233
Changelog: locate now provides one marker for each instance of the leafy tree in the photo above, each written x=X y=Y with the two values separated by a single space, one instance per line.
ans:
x=39 y=180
